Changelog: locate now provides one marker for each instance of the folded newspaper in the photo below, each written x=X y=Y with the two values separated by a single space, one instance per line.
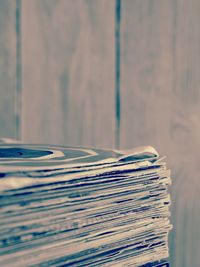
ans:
x=69 y=206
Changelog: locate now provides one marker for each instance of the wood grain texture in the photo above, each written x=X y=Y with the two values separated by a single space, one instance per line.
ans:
x=8 y=114
x=68 y=72
x=160 y=103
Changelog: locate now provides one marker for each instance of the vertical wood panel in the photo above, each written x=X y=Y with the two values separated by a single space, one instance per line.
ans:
x=68 y=72
x=160 y=103
x=8 y=114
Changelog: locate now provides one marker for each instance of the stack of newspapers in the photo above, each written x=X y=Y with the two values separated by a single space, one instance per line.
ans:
x=68 y=206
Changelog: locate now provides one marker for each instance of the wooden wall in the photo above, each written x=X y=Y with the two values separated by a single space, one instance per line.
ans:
x=110 y=73
x=8 y=92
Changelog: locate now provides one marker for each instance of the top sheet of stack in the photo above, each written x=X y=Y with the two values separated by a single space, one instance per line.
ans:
x=44 y=161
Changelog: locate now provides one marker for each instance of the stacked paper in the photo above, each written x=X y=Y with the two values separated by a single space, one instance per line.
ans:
x=64 y=206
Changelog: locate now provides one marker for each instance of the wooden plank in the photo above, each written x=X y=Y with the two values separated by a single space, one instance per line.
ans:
x=8 y=127
x=68 y=72
x=160 y=104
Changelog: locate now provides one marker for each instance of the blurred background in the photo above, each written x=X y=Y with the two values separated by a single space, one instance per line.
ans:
x=110 y=74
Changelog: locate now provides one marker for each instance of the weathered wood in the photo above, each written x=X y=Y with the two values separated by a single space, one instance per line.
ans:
x=160 y=103
x=8 y=115
x=68 y=72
